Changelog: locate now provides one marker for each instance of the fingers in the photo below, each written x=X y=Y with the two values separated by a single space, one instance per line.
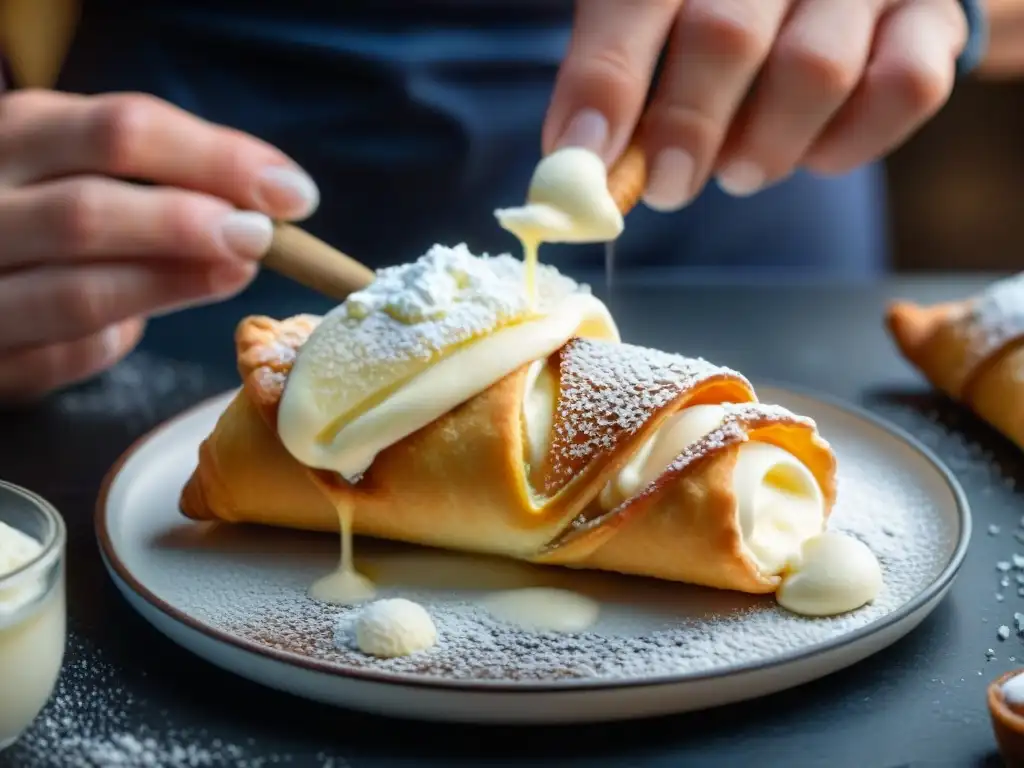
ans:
x=908 y=79
x=813 y=68
x=46 y=135
x=603 y=81
x=715 y=52
x=91 y=217
x=81 y=301
x=35 y=371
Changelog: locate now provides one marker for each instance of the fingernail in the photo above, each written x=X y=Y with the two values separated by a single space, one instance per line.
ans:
x=111 y=341
x=247 y=233
x=741 y=178
x=288 y=191
x=588 y=129
x=670 y=185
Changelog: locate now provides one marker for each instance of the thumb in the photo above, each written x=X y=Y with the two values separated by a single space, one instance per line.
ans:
x=603 y=82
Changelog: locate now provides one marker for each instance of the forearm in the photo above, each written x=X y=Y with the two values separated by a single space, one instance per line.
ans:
x=1005 y=55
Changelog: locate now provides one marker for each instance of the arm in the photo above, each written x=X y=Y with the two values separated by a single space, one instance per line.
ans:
x=1005 y=56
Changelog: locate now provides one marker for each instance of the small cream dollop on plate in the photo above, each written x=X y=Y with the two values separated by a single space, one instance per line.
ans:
x=833 y=573
x=394 y=627
x=1013 y=691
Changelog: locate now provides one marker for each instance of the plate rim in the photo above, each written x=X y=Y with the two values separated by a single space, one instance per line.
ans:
x=940 y=582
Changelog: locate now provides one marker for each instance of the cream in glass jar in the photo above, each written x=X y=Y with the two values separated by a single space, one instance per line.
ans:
x=32 y=607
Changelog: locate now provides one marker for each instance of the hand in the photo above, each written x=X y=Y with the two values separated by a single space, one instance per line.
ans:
x=85 y=257
x=752 y=89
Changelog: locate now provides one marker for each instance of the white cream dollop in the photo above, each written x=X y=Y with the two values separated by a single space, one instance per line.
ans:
x=17 y=549
x=568 y=202
x=779 y=503
x=394 y=627
x=431 y=336
x=1013 y=690
x=833 y=573
x=442 y=282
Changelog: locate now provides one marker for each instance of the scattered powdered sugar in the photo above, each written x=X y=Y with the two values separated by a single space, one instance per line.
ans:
x=647 y=628
x=992 y=319
x=609 y=391
x=87 y=725
x=140 y=390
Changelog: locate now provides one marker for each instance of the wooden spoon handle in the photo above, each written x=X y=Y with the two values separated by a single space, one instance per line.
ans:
x=627 y=178
x=310 y=261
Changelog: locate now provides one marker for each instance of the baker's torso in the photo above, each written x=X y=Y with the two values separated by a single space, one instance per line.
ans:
x=418 y=119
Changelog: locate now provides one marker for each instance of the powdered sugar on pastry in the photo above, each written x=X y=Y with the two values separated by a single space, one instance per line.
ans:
x=992 y=319
x=609 y=391
x=419 y=341
x=462 y=293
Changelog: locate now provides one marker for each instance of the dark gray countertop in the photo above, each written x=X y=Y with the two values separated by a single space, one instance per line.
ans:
x=129 y=694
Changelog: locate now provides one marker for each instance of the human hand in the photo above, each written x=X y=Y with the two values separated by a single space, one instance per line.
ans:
x=752 y=89
x=85 y=256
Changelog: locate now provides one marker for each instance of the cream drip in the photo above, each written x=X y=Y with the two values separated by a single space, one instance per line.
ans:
x=344 y=585
x=568 y=201
x=543 y=609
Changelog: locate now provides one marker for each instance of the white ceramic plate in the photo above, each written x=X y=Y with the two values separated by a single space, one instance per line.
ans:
x=235 y=596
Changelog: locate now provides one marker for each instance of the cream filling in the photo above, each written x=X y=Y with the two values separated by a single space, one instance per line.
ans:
x=539 y=402
x=780 y=508
x=434 y=392
x=568 y=201
x=779 y=504
x=778 y=501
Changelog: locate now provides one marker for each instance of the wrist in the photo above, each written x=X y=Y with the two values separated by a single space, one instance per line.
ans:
x=977 y=37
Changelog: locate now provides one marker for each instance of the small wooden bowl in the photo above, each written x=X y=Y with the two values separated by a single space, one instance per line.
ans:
x=1007 y=723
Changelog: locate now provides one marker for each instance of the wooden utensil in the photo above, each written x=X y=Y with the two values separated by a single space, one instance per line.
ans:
x=306 y=259
x=627 y=178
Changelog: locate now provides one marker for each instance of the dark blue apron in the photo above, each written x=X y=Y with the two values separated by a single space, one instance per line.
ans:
x=428 y=113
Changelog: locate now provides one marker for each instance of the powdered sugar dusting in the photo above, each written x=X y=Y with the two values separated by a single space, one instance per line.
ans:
x=609 y=391
x=87 y=725
x=452 y=280
x=647 y=628
x=992 y=319
x=414 y=313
